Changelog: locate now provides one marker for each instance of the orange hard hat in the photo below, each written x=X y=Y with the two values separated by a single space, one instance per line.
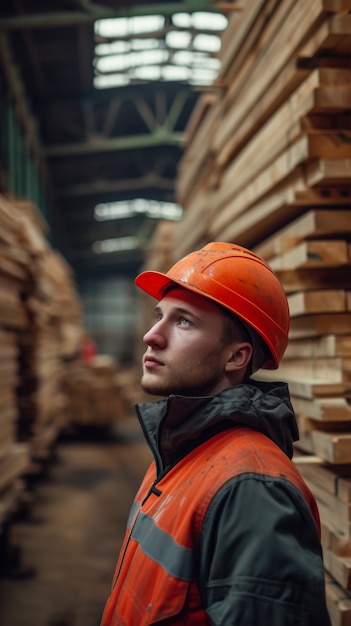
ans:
x=238 y=280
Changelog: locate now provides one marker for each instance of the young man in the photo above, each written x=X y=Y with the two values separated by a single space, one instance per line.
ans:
x=223 y=530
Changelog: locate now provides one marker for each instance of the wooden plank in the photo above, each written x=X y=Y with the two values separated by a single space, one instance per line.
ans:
x=313 y=254
x=14 y=464
x=326 y=172
x=197 y=162
x=10 y=268
x=338 y=508
x=335 y=480
x=322 y=324
x=339 y=567
x=311 y=225
x=334 y=541
x=327 y=300
x=348 y=305
x=192 y=232
x=331 y=447
x=10 y=220
x=319 y=347
x=323 y=409
x=305 y=280
x=241 y=33
x=314 y=389
x=338 y=603
x=333 y=370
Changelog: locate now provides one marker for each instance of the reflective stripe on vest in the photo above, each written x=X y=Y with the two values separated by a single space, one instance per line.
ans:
x=159 y=546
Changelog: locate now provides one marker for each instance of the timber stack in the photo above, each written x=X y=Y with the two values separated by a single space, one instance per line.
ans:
x=267 y=165
x=40 y=328
x=14 y=456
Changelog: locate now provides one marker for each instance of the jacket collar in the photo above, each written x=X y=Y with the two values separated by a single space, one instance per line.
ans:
x=177 y=424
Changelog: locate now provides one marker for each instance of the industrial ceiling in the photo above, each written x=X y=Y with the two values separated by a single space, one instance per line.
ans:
x=100 y=145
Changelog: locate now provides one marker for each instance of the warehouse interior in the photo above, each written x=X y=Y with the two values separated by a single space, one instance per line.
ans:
x=132 y=133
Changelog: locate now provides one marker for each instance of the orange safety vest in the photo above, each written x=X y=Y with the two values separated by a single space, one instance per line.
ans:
x=155 y=578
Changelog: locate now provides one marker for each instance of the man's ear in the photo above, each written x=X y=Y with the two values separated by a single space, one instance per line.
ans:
x=239 y=357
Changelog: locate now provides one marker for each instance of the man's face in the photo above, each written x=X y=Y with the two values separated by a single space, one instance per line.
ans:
x=186 y=354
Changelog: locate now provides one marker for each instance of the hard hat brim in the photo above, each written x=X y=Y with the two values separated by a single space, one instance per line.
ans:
x=155 y=284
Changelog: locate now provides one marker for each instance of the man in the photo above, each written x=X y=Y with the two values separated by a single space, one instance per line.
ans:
x=223 y=530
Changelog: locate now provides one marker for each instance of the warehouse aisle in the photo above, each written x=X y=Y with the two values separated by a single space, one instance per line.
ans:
x=73 y=531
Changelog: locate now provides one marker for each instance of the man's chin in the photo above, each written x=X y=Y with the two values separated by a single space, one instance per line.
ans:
x=153 y=389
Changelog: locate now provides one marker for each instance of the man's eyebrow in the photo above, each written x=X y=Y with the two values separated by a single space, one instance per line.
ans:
x=178 y=309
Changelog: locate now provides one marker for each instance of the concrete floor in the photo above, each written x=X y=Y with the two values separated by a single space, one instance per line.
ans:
x=73 y=531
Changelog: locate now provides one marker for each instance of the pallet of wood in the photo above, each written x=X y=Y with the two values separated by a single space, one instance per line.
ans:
x=40 y=328
x=52 y=307
x=14 y=263
x=94 y=397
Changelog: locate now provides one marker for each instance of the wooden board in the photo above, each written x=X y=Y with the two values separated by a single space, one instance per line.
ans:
x=315 y=325
x=306 y=280
x=312 y=255
x=321 y=301
x=338 y=603
x=323 y=409
x=332 y=447
x=312 y=389
x=319 y=347
x=314 y=224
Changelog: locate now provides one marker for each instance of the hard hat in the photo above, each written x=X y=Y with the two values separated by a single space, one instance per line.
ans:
x=236 y=279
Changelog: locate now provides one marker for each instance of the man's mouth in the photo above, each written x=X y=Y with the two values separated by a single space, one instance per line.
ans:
x=151 y=361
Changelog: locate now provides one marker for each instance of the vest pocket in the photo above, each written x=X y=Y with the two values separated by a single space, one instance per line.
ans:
x=150 y=596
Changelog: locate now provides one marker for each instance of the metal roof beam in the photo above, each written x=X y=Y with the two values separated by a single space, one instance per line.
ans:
x=99 y=187
x=98 y=145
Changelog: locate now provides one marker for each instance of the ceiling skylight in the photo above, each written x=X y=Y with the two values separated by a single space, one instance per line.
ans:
x=146 y=48
x=119 y=244
x=130 y=208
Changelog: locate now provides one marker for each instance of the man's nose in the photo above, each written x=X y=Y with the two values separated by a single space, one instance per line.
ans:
x=155 y=336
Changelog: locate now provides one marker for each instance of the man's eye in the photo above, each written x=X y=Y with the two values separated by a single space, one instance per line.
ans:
x=184 y=321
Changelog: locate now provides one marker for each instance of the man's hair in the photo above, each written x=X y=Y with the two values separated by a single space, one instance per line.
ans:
x=233 y=328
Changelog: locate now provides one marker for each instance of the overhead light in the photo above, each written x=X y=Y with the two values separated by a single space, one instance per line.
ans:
x=140 y=48
x=174 y=72
x=123 y=26
x=200 y=20
x=110 y=80
x=113 y=47
x=208 y=43
x=119 y=244
x=148 y=72
x=117 y=62
x=129 y=208
x=178 y=38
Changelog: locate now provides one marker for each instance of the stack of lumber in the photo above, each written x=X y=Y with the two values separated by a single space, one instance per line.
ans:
x=311 y=256
x=14 y=262
x=274 y=138
x=267 y=165
x=40 y=328
x=93 y=393
x=52 y=307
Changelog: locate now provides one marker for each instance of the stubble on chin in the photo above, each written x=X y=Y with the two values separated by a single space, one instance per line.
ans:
x=152 y=387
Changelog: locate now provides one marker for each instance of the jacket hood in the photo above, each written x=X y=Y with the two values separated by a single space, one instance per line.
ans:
x=177 y=424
